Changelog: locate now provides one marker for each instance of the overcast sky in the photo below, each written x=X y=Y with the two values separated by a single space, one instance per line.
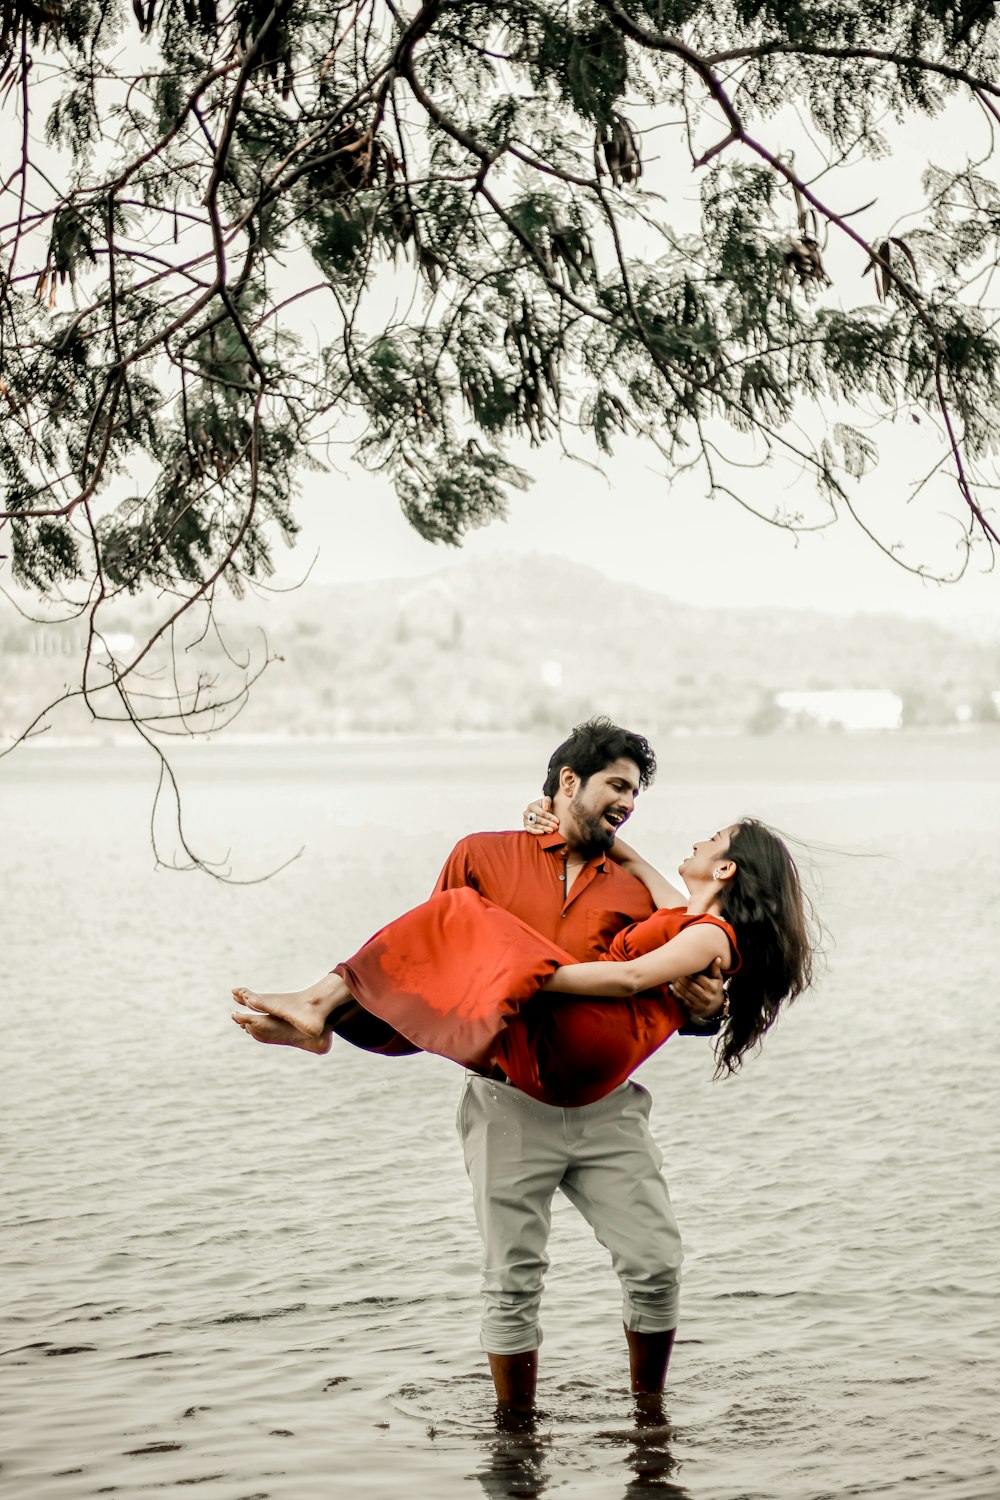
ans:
x=639 y=528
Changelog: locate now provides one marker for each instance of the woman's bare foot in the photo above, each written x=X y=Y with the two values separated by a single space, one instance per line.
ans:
x=279 y=1033
x=306 y=1010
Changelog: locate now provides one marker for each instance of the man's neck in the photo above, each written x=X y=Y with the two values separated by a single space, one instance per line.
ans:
x=581 y=854
x=575 y=848
x=570 y=832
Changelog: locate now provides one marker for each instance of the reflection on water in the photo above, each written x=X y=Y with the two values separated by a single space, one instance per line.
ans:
x=648 y=1450
x=516 y=1458
x=257 y=1273
x=524 y=1461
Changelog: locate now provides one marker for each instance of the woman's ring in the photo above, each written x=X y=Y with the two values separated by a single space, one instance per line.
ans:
x=532 y=817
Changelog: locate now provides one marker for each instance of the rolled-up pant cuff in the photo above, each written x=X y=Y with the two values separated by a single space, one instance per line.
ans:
x=498 y=1340
x=657 y=1318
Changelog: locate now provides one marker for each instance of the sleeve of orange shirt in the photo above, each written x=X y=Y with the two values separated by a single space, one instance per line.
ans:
x=458 y=870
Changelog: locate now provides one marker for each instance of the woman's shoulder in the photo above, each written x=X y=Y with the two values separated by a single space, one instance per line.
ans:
x=651 y=932
x=682 y=918
x=674 y=918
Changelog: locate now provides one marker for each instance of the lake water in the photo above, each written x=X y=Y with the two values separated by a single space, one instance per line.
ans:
x=255 y=1273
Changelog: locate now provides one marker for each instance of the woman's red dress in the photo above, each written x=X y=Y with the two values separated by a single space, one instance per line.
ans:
x=459 y=976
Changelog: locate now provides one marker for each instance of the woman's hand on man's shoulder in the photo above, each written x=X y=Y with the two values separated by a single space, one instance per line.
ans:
x=539 y=818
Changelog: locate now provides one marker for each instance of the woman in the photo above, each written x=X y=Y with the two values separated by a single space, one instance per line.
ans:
x=463 y=978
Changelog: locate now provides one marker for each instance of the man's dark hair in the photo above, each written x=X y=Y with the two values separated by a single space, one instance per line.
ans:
x=594 y=745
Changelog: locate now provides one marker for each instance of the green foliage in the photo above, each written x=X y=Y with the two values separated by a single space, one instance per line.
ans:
x=963 y=22
x=574 y=54
x=860 y=453
x=52 y=23
x=465 y=489
x=668 y=15
x=44 y=552
x=471 y=193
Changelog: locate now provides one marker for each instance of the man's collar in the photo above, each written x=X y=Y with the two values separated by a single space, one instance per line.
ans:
x=555 y=840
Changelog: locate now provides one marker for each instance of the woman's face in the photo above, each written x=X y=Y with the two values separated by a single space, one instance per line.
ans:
x=707 y=855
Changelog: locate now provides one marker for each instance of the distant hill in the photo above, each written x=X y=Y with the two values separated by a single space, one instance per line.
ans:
x=530 y=643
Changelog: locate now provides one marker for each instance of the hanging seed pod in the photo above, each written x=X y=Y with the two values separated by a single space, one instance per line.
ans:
x=201 y=13
x=617 y=142
x=397 y=200
x=431 y=266
x=350 y=167
x=573 y=249
x=30 y=19
x=804 y=264
x=275 y=55
x=39 y=17
x=69 y=243
x=803 y=257
x=883 y=273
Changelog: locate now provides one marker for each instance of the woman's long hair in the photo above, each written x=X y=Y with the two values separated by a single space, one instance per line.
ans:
x=765 y=904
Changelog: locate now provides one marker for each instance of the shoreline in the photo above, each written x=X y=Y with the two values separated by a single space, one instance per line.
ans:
x=349 y=738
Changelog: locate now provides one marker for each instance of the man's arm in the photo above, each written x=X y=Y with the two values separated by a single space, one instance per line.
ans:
x=703 y=997
x=458 y=870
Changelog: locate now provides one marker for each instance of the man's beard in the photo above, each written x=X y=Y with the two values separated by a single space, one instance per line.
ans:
x=593 y=835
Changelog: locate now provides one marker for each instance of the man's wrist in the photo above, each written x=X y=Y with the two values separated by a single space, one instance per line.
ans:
x=715 y=1019
x=707 y=1025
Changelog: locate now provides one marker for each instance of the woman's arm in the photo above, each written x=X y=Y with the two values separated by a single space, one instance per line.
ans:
x=688 y=953
x=538 y=817
x=658 y=886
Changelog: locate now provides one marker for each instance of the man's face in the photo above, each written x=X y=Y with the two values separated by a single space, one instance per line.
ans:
x=600 y=805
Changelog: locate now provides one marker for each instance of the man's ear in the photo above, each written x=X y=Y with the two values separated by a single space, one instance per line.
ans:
x=567 y=781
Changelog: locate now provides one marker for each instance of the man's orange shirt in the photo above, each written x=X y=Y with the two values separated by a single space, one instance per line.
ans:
x=523 y=873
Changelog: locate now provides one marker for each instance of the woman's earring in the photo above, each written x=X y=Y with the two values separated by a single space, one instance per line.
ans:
x=717 y=874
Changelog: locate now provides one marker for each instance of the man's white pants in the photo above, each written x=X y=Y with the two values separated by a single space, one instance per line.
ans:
x=603 y=1157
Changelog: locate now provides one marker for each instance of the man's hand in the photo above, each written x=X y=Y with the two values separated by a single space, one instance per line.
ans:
x=702 y=995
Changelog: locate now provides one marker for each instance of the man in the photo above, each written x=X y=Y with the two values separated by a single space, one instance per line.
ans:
x=518 y=1152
